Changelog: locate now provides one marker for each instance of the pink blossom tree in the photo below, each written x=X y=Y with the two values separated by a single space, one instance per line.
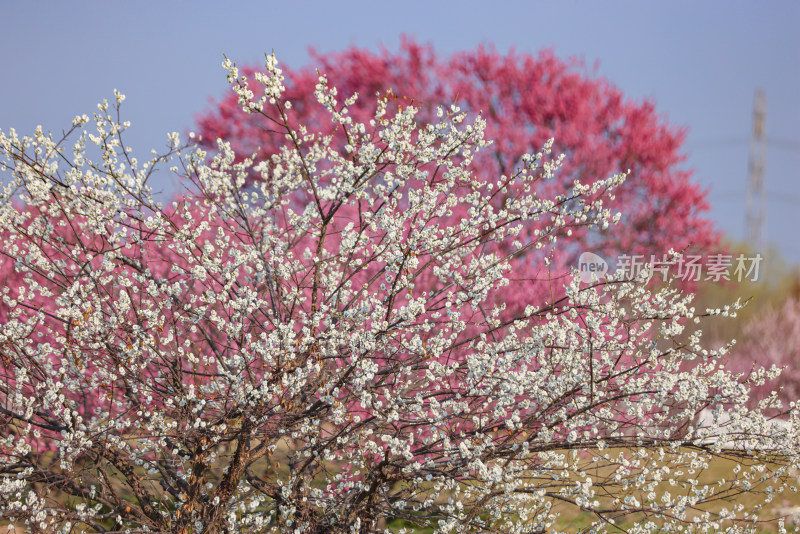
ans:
x=331 y=348
x=525 y=100
x=772 y=338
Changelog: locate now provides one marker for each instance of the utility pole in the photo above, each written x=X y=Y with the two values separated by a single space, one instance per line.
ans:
x=756 y=195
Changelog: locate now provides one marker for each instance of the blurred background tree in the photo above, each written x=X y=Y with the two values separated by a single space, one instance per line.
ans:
x=767 y=330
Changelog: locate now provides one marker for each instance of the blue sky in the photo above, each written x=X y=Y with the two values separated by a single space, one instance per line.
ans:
x=701 y=62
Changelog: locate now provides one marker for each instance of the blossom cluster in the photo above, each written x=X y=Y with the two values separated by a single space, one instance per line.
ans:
x=525 y=99
x=332 y=348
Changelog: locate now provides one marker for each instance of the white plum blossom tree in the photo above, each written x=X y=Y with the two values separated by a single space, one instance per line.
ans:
x=346 y=345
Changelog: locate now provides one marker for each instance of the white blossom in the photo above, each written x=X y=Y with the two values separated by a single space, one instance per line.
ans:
x=341 y=340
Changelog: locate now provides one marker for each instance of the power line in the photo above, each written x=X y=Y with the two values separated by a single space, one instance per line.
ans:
x=718 y=143
x=773 y=196
x=786 y=144
x=728 y=142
